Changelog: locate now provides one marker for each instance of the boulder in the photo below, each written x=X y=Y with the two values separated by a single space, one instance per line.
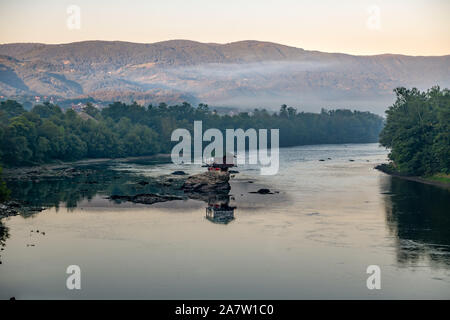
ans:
x=263 y=191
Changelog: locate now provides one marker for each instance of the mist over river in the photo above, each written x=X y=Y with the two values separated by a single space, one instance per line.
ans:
x=330 y=215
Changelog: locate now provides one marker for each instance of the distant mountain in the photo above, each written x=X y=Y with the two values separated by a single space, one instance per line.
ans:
x=245 y=74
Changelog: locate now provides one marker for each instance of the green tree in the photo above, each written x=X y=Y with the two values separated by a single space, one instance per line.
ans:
x=417 y=132
x=11 y=108
x=47 y=133
x=46 y=110
x=91 y=110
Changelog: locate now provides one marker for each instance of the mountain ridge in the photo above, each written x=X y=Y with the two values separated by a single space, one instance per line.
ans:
x=245 y=73
x=215 y=44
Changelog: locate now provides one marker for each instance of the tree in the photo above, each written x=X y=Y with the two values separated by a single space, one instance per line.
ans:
x=91 y=110
x=417 y=131
x=47 y=133
x=11 y=108
x=46 y=110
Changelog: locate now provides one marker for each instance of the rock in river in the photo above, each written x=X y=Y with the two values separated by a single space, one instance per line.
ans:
x=179 y=173
x=263 y=191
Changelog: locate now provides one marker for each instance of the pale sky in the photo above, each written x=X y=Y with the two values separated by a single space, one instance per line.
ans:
x=414 y=27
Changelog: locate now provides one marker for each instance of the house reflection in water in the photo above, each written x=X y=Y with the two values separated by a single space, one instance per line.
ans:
x=219 y=210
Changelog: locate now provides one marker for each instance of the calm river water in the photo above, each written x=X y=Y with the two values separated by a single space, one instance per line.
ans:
x=314 y=237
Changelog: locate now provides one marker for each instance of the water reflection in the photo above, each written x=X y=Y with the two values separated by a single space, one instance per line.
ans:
x=4 y=234
x=106 y=180
x=93 y=180
x=417 y=215
x=219 y=209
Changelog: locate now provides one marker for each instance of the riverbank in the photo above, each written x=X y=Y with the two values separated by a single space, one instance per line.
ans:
x=439 y=180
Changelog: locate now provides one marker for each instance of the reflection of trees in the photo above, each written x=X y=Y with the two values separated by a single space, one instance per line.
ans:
x=4 y=234
x=417 y=214
x=51 y=192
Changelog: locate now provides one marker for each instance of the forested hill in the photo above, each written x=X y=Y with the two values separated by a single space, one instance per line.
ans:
x=239 y=74
x=46 y=133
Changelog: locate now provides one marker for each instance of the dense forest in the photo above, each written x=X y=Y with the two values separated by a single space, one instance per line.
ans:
x=47 y=133
x=417 y=132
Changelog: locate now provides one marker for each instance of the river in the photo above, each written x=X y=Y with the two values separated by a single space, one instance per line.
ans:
x=312 y=238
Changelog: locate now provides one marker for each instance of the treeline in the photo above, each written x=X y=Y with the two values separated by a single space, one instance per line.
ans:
x=417 y=132
x=47 y=133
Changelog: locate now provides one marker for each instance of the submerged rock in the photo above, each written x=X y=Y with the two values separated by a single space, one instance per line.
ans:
x=154 y=198
x=145 y=198
x=263 y=191
x=207 y=182
x=179 y=173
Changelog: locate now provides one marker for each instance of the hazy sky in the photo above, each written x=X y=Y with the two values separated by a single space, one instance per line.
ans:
x=416 y=27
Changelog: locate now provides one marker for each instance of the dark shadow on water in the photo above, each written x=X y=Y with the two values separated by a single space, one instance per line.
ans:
x=418 y=216
x=4 y=234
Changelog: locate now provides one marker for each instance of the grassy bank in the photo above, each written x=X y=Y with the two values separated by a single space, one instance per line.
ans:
x=440 y=179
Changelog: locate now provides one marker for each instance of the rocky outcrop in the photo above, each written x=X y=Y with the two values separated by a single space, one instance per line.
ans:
x=198 y=187
x=208 y=182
